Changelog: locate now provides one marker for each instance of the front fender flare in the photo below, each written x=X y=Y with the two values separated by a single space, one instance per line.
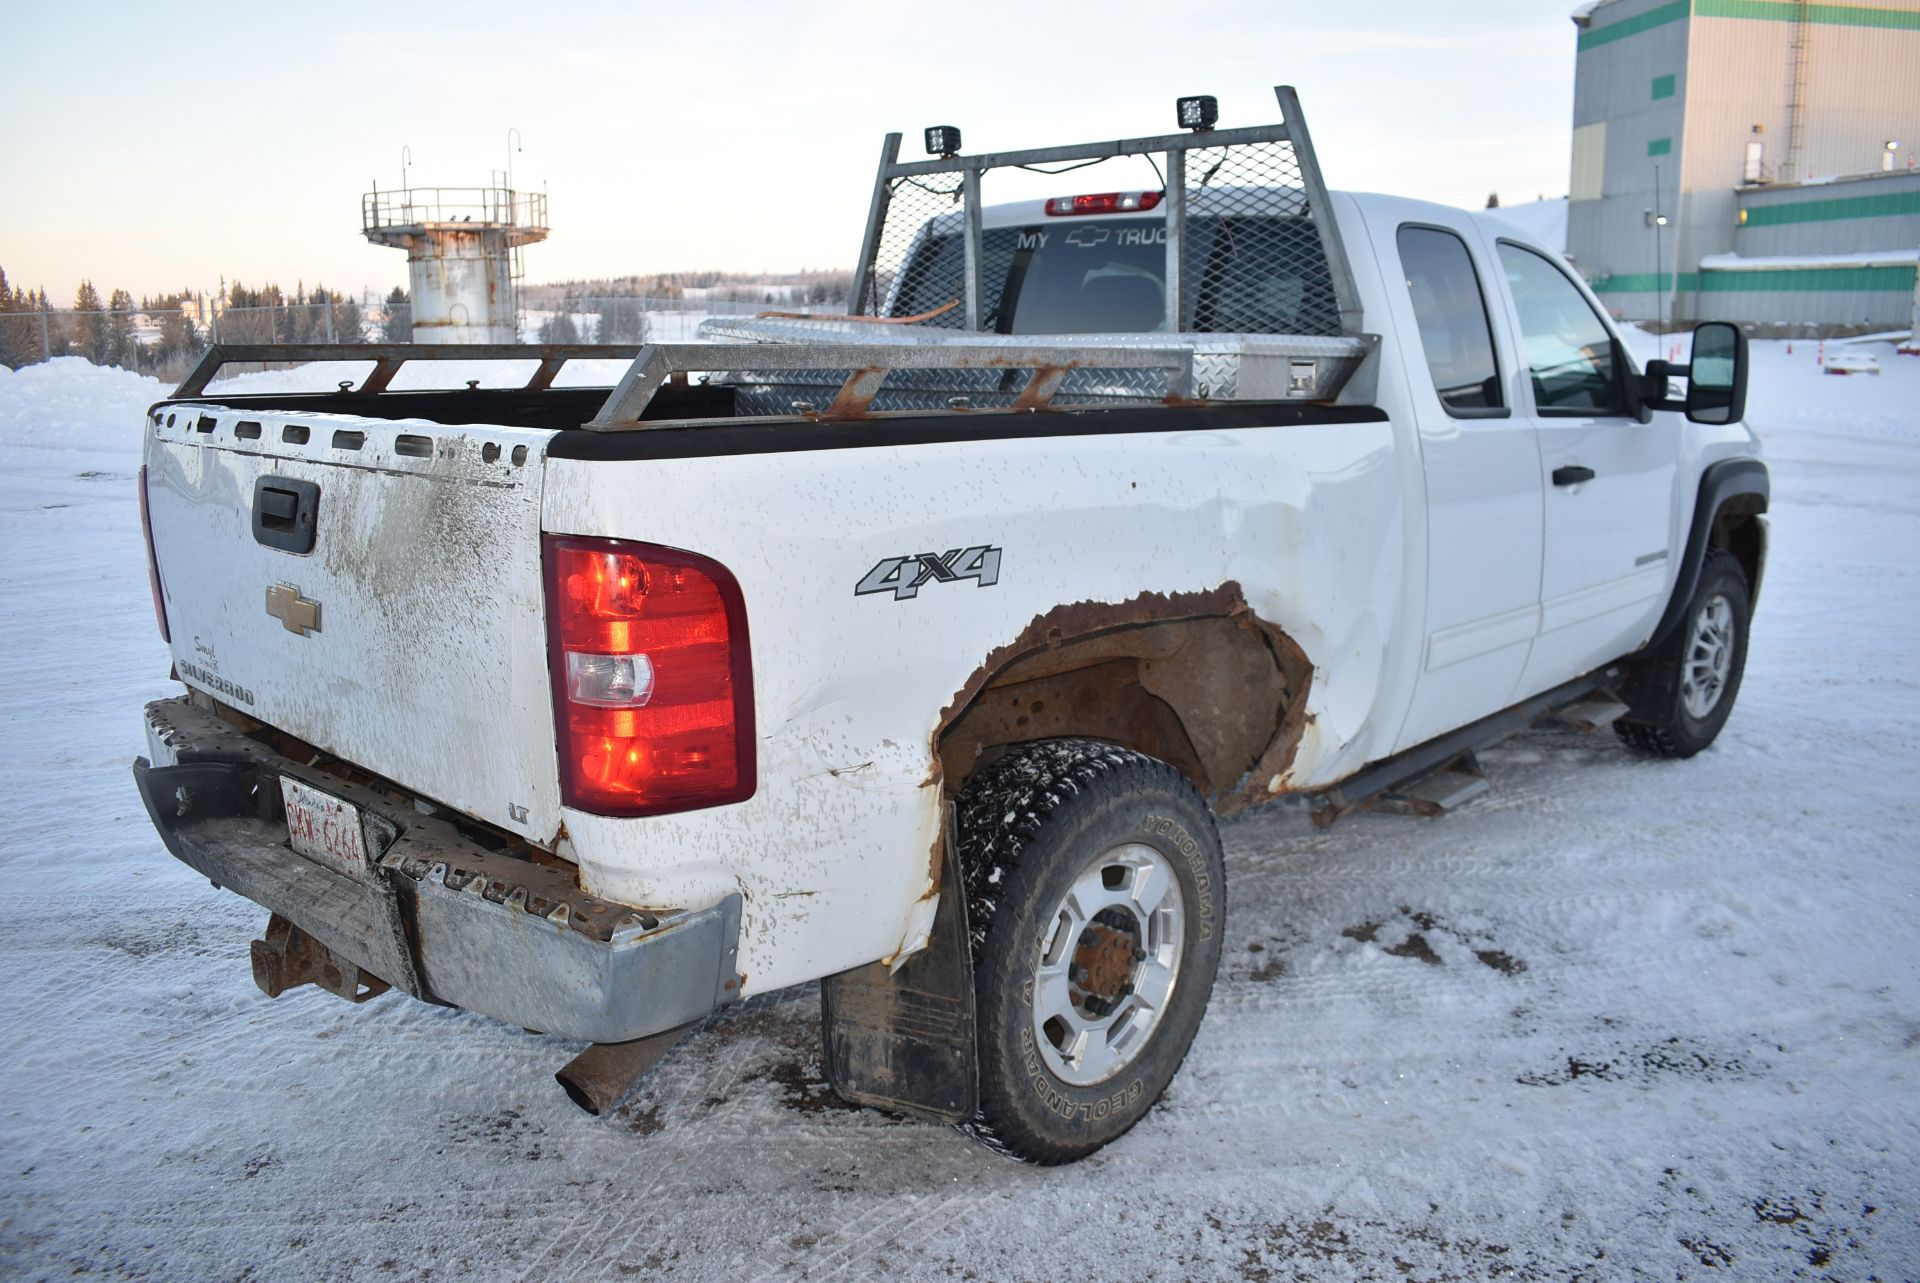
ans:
x=1720 y=482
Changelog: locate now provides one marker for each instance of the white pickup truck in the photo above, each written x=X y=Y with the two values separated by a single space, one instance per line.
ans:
x=915 y=651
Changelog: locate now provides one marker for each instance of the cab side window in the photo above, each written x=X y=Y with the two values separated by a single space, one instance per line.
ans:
x=1452 y=315
x=1571 y=356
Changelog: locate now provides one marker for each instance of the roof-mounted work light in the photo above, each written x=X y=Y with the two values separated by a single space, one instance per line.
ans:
x=942 y=140
x=1198 y=112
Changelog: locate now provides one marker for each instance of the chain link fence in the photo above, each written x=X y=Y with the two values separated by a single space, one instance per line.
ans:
x=636 y=319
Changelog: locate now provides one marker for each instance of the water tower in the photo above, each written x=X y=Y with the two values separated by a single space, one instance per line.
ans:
x=463 y=255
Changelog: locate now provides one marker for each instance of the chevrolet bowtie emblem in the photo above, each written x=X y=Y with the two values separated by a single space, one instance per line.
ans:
x=299 y=614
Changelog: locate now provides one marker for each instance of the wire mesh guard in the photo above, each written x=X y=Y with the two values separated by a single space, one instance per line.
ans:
x=1254 y=262
x=1251 y=259
x=919 y=256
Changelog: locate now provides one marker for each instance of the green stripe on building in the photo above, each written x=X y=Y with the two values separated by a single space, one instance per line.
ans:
x=1832 y=15
x=1884 y=205
x=1787 y=279
x=1802 y=279
x=1645 y=283
x=1660 y=17
x=1663 y=87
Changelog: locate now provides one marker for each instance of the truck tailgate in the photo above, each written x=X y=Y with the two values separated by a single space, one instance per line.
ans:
x=410 y=638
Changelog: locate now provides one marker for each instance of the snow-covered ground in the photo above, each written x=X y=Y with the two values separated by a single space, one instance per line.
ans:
x=1617 y=1019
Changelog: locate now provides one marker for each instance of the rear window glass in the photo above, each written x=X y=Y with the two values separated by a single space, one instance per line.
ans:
x=1452 y=314
x=1256 y=275
x=1088 y=278
x=1261 y=276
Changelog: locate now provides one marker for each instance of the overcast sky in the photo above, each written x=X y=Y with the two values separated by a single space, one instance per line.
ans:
x=158 y=146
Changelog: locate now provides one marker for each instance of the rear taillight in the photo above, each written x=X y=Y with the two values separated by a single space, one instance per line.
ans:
x=652 y=684
x=1104 y=203
x=153 y=562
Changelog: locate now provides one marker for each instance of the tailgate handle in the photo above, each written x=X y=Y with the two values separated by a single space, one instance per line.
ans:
x=277 y=508
x=286 y=513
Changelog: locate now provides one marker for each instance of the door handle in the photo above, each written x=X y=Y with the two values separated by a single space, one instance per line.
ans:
x=1571 y=475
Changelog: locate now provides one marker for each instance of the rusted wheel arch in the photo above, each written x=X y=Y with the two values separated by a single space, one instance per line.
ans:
x=1194 y=679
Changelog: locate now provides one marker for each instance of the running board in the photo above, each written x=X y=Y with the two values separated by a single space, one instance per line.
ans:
x=1366 y=787
x=1448 y=789
x=1588 y=715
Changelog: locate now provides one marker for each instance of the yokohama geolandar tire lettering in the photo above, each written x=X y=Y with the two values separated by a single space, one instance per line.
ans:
x=1096 y=897
x=1680 y=695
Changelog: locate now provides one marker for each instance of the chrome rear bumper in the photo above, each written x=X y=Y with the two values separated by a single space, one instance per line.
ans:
x=438 y=915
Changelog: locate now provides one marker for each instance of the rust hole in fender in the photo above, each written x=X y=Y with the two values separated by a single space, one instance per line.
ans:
x=1195 y=679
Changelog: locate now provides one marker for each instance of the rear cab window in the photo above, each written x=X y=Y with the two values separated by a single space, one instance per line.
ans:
x=1456 y=333
x=1095 y=276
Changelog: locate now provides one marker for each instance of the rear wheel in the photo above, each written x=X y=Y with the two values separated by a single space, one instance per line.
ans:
x=1681 y=695
x=1096 y=898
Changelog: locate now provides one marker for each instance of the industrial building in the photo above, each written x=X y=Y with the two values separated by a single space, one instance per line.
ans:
x=1748 y=160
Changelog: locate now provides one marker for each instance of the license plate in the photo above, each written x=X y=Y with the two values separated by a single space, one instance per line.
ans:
x=324 y=828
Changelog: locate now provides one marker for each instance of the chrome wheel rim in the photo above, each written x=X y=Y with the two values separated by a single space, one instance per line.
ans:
x=1108 y=960
x=1709 y=660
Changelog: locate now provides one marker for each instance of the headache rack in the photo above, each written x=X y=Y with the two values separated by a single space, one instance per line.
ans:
x=1256 y=192
x=1265 y=179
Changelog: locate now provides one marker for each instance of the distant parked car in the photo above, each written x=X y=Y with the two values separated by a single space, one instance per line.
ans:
x=1852 y=363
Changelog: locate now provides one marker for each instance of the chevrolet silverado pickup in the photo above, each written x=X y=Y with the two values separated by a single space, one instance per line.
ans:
x=915 y=651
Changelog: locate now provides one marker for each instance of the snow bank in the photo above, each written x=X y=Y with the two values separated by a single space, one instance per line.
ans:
x=69 y=401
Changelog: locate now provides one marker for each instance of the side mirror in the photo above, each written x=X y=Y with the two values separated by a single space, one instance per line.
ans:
x=1717 y=374
x=1653 y=386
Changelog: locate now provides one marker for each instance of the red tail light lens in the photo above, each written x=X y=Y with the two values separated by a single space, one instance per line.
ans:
x=153 y=563
x=652 y=684
x=1104 y=203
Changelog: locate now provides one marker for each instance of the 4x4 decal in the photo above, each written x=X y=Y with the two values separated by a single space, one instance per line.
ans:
x=904 y=576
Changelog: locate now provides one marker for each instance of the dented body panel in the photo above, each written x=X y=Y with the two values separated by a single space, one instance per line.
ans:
x=427 y=661
x=830 y=854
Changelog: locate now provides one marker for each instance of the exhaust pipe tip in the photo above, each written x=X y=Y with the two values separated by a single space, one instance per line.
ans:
x=585 y=1093
x=600 y=1076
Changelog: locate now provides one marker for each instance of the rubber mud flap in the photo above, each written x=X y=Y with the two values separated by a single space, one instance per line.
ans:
x=904 y=1040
